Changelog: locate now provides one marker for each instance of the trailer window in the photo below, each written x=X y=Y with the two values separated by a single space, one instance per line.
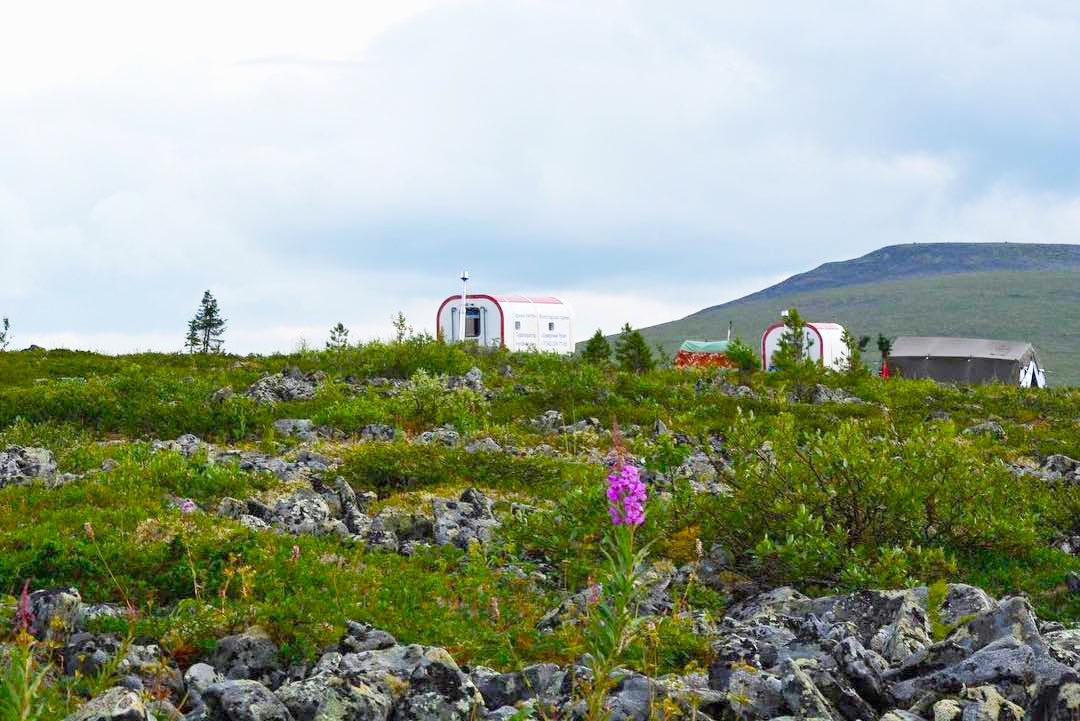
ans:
x=472 y=322
x=517 y=325
x=551 y=326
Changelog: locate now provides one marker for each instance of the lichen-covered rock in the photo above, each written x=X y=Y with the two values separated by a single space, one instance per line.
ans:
x=364 y=637
x=116 y=704
x=463 y=521
x=988 y=428
x=291 y=385
x=56 y=612
x=243 y=700
x=249 y=655
x=1057 y=699
x=330 y=698
x=305 y=512
x=301 y=428
x=19 y=465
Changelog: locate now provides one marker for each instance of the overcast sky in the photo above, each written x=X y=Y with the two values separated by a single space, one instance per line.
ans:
x=327 y=161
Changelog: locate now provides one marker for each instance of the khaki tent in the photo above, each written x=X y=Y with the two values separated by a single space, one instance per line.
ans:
x=968 y=360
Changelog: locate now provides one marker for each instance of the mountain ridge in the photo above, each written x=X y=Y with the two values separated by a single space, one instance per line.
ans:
x=1007 y=291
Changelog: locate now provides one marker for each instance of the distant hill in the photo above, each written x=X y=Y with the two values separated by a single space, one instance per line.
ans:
x=1009 y=291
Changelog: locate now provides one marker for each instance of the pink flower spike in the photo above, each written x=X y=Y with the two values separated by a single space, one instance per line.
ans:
x=626 y=495
x=187 y=506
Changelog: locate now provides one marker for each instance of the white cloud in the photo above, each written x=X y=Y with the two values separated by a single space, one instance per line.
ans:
x=342 y=161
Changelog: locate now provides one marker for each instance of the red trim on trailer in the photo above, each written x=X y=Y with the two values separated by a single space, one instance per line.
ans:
x=478 y=296
x=774 y=326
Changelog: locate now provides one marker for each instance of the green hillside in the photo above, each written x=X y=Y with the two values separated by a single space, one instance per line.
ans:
x=1005 y=291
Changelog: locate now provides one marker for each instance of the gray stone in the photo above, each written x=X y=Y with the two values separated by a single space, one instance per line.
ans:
x=249 y=655
x=302 y=428
x=864 y=668
x=116 y=704
x=483 y=445
x=463 y=521
x=282 y=387
x=548 y=422
x=201 y=676
x=633 y=698
x=1064 y=646
x=377 y=432
x=330 y=698
x=20 y=465
x=364 y=637
x=243 y=700
x=56 y=612
x=1072 y=582
x=1006 y=663
x=1057 y=699
x=303 y=513
x=988 y=428
x=446 y=436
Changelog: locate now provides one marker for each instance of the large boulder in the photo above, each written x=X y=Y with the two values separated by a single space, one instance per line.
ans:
x=20 y=465
x=116 y=704
x=461 y=522
x=290 y=385
x=330 y=698
x=244 y=700
x=250 y=655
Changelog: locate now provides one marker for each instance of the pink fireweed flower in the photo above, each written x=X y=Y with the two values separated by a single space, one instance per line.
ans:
x=626 y=497
x=187 y=506
x=24 y=614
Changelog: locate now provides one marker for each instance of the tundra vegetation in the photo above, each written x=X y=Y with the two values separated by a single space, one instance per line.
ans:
x=812 y=490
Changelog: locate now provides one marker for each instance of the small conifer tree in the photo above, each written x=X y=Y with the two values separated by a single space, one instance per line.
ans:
x=4 y=339
x=339 y=338
x=632 y=351
x=206 y=328
x=855 y=348
x=794 y=346
x=597 y=350
x=743 y=357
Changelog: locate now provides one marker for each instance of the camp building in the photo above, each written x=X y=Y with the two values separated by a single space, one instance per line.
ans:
x=967 y=360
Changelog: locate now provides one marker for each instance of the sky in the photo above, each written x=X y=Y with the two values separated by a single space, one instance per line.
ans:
x=323 y=162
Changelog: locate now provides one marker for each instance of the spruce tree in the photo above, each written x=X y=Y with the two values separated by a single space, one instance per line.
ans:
x=206 y=328
x=339 y=338
x=632 y=351
x=597 y=350
x=742 y=357
x=4 y=340
x=794 y=346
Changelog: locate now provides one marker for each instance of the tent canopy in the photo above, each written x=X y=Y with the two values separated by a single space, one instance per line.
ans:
x=967 y=360
x=705 y=346
x=940 y=347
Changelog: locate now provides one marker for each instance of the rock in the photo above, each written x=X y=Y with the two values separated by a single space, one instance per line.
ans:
x=460 y=522
x=548 y=422
x=659 y=428
x=802 y=695
x=1072 y=582
x=1064 y=646
x=356 y=521
x=988 y=428
x=962 y=602
x=364 y=637
x=251 y=655
x=377 y=432
x=446 y=436
x=330 y=698
x=88 y=653
x=1006 y=663
x=483 y=445
x=55 y=612
x=116 y=704
x=423 y=681
x=633 y=698
x=20 y=465
x=302 y=428
x=864 y=668
x=825 y=394
x=222 y=394
x=1057 y=699
x=231 y=508
x=201 y=676
x=1059 y=466
x=305 y=512
x=243 y=700
x=289 y=386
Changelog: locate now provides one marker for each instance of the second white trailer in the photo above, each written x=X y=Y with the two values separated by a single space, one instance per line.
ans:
x=824 y=343
x=518 y=322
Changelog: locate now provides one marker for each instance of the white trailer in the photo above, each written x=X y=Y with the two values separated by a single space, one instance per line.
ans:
x=517 y=322
x=824 y=343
